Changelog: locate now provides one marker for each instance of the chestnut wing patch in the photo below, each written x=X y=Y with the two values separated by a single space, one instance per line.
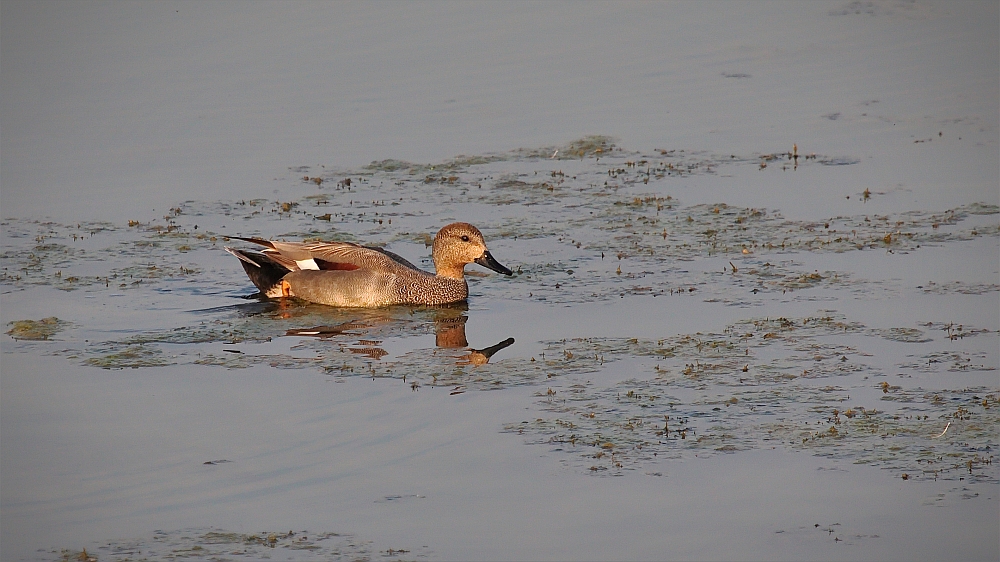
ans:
x=325 y=265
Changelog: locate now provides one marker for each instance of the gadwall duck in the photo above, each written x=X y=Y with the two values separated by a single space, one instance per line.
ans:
x=349 y=275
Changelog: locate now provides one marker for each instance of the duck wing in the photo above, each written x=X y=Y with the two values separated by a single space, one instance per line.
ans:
x=337 y=256
x=348 y=256
x=396 y=257
x=271 y=254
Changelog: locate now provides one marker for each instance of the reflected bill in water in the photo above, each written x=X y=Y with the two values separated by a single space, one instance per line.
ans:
x=449 y=330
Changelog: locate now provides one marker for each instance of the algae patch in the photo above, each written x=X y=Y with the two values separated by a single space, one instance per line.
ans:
x=133 y=357
x=584 y=222
x=219 y=544
x=36 y=329
x=798 y=383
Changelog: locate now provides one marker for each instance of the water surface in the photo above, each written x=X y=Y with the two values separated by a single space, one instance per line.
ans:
x=754 y=311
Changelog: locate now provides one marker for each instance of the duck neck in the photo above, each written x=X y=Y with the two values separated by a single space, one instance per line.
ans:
x=456 y=272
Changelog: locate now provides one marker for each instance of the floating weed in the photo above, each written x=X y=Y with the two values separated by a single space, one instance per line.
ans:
x=94 y=256
x=905 y=335
x=604 y=223
x=36 y=329
x=936 y=435
x=218 y=544
x=335 y=341
x=761 y=383
x=131 y=356
x=951 y=361
x=959 y=287
x=958 y=331
x=606 y=211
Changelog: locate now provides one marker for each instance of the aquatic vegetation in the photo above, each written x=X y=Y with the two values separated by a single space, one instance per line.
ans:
x=213 y=544
x=590 y=222
x=620 y=245
x=760 y=383
x=35 y=329
x=131 y=356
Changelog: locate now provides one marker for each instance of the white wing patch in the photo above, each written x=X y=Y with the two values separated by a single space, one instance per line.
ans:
x=307 y=264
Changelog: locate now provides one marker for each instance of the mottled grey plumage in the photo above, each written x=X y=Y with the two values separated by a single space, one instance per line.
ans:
x=349 y=275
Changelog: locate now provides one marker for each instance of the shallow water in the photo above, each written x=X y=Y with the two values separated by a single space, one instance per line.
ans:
x=722 y=348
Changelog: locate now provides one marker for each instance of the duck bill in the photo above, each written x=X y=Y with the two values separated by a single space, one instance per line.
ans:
x=486 y=260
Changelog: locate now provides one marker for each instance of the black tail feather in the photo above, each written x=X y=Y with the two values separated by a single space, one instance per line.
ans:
x=262 y=271
x=259 y=241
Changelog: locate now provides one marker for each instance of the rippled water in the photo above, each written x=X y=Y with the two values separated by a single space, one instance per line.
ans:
x=756 y=318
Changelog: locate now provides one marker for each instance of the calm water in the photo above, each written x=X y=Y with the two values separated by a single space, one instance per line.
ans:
x=806 y=330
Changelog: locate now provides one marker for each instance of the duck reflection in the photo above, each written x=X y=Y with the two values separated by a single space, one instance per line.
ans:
x=449 y=331
x=482 y=356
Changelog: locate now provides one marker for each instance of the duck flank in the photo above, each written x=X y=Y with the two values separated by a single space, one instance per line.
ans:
x=349 y=275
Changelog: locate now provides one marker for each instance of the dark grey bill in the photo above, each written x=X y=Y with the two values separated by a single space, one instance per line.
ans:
x=486 y=260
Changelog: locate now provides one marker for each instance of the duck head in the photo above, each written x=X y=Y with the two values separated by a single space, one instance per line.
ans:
x=458 y=244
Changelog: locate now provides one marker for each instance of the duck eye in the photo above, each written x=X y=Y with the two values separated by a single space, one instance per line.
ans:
x=465 y=238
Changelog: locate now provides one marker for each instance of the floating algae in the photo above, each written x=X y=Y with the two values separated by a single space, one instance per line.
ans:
x=608 y=218
x=129 y=357
x=584 y=222
x=93 y=256
x=760 y=383
x=35 y=329
x=800 y=383
x=219 y=544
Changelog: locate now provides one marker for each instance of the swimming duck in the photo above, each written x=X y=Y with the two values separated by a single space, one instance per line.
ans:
x=349 y=275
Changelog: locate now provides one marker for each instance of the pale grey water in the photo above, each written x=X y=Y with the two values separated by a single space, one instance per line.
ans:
x=164 y=101
x=120 y=111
